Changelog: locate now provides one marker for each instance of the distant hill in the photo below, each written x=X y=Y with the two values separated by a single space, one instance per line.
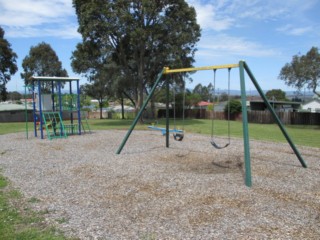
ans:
x=255 y=93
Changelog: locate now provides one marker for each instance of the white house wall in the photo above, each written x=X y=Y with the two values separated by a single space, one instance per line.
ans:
x=313 y=106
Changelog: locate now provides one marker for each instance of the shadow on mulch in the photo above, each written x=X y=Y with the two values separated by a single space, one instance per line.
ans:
x=202 y=163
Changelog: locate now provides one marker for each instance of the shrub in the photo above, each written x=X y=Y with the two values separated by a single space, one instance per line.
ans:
x=235 y=108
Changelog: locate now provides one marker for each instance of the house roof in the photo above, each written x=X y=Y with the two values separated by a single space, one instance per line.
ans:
x=117 y=108
x=262 y=104
x=277 y=102
x=63 y=79
x=311 y=101
x=13 y=107
x=203 y=103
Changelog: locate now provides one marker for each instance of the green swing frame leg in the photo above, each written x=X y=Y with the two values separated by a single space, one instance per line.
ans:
x=244 y=67
x=275 y=117
x=246 y=144
x=139 y=114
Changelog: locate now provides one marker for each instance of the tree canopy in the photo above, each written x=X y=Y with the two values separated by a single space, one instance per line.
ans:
x=8 y=64
x=276 y=94
x=14 y=95
x=303 y=71
x=42 y=61
x=98 y=69
x=235 y=108
x=141 y=37
x=205 y=92
x=97 y=90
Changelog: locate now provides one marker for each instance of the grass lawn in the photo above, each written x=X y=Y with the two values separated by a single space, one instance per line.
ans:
x=300 y=134
x=19 y=222
x=14 y=127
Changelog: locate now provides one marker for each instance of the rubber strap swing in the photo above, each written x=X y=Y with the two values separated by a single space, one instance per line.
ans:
x=178 y=136
x=213 y=143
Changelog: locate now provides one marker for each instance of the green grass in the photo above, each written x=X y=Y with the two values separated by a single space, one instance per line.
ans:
x=300 y=134
x=19 y=222
x=14 y=127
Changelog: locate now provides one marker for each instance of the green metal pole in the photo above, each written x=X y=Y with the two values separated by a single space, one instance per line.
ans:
x=34 y=110
x=247 y=160
x=40 y=109
x=167 y=112
x=139 y=114
x=276 y=118
x=78 y=105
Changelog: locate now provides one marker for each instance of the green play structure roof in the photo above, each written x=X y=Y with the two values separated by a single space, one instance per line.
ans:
x=62 y=79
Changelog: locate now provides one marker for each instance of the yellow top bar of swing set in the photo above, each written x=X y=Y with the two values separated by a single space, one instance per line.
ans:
x=167 y=70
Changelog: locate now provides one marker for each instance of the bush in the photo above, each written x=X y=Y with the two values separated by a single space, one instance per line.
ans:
x=235 y=108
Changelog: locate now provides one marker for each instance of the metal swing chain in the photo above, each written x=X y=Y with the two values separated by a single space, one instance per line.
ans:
x=180 y=136
x=212 y=130
x=214 y=94
x=229 y=70
x=184 y=101
x=174 y=103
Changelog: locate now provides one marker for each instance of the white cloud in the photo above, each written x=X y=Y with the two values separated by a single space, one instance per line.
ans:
x=221 y=20
x=19 y=13
x=223 y=14
x=295 y=31
x=259 y=10
x=32 y=18
x=64 y=32
x=269 y=9
x=224 y=45
x=209 y=18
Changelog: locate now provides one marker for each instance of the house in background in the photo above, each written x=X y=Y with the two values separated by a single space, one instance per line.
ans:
x=279 y=106
x=312 y=106
x=203 y=105
x=11 y=112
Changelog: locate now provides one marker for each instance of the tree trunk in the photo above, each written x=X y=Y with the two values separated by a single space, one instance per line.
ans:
x=153 y=109
x=140 y=99
x=100 y=106
x=314 y=90
x=140 y=76
x=122 y=108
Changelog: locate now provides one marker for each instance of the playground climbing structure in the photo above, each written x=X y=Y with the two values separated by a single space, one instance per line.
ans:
x=56 y=114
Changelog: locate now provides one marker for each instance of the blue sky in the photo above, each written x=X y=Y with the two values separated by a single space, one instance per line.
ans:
x=264 y=33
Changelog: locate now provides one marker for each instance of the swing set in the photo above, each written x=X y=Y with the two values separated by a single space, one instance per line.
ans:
x=243 y=67
x=178 y=134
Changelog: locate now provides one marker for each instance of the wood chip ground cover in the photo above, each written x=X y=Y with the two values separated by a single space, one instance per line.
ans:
x=187 y=191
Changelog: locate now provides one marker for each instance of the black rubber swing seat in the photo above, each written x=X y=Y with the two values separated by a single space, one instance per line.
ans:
x=228 y=104
x=178 y=136
x=217 y=146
